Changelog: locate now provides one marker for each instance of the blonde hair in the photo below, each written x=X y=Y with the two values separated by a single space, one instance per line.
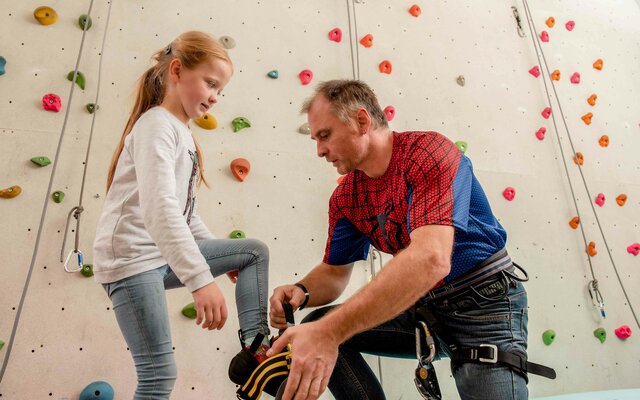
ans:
x=191 y=48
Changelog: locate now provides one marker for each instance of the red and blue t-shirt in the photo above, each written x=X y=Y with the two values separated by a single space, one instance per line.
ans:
x=428 y=182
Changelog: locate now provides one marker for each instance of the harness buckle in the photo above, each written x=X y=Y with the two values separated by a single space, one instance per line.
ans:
x=492 y=360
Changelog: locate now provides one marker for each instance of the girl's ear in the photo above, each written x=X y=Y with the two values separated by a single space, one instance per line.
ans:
x=175 y=68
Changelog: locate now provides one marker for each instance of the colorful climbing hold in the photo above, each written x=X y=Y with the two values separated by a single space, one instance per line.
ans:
x=57 y=196
x=600 y=199
x=544 y=36
x=385 y=67
x=189 y=311
x=45 y=15
x=390 y=112
x=10 y=192
x=3 y=62
x=305 y=76
x=598 y=64
x=367 y=40
x=548 y=336
x=273 y=74
x=207 y=121
x=592 y=99
x=555 y=75
x=550 y=22
x=509 y=193
x=587 y=118
x=601 y=334
x=621 y=199
x=570 y=25
x=99 y=390
x=1 y=344
x=462 y=146
x=51 y=102
x=623 y=332
x=304 y=129
x=540 y=133
x=591 y=249
x=546 y=113
x=575 y=221
x=578 y=158
x=240 y=168
x=634 y=249
x=604 y=140
x=228 y=42
x=460 y=80
x=237 y=234
x=42 y=161
x=92 y=107
x=535 y=71
x=415 y=10
x=80 y=79
x=575 y=78
x=240 y=123
x=83 y=21
x=335 y=35
x=87 y=270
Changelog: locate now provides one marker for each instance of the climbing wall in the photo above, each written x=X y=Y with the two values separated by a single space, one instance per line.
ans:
x=461 y=68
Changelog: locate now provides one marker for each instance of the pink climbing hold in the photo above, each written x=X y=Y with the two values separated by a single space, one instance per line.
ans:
x=634 y=249
x=335 y=35
x=305 y=76
x=570 y=25
x=546 y=113
x=390 y=112
x=575 y=78
x=509 y=193
x=623 y=331
x=600 y=199
x=540 y=133
x=51 y=102
x=544 y=36
x=535 y=71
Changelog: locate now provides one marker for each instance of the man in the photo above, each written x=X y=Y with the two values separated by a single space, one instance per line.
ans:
x=413 y=195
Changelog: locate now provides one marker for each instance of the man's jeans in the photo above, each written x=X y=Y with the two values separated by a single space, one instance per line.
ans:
x=502 y=322
x=139 y=303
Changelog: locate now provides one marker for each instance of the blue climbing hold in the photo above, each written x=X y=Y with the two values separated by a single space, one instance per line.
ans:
x=3 y=62
x=98 y=390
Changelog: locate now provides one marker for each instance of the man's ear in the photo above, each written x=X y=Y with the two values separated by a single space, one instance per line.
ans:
x=363 y=119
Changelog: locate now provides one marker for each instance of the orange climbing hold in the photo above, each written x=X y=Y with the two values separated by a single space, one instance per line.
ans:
x=385 y=67
x=45 y=15
x=621 y=199
x=555 y=75
x=550 y=22
x=604 y=141
x=415 y=10
x=587 y=118
x=575 y=221
x=367 y=40
x=591 y=249
x=10 y=192
x=240 y=168
x=592 y=99
x=578 y=158
x=598 y=64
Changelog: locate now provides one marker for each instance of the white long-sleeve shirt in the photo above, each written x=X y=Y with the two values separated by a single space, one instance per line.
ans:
x=149 y=216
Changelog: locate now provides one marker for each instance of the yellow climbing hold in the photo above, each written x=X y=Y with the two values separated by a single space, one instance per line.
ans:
x=10 y=192
x=207 y=121
x=45 y=15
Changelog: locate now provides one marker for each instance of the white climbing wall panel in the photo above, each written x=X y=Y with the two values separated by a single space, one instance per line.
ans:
x=66 y=335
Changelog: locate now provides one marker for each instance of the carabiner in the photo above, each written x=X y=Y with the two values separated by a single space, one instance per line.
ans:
x=430 y=343
x=80 y=261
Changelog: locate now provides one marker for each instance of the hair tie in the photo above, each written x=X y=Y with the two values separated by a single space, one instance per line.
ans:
x=167 y=50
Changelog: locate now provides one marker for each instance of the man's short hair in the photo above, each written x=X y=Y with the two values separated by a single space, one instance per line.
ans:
x=346 y=97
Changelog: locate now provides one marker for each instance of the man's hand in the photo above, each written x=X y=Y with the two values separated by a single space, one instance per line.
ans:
x=284 y=294
x=313 y=356
x=210 y=307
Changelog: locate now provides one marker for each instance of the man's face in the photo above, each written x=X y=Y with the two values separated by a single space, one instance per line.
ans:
x=342 y=144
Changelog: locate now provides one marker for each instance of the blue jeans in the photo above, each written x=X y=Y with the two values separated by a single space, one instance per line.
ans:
x=139 y=303
x=502 y=322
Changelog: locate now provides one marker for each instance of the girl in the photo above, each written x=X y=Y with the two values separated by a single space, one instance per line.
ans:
x=150 y=238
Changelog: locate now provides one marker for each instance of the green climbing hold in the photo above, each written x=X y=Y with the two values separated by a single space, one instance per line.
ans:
x=240 y=123
x=237 y=235
x=189 y=311
x=92 y=107
x=84 y=20
x=87 y=270
x=548 y=336
x=462 y=146
x=1 y=344
x=80 y=79
x=42 y=161
x=57 y=196
x=601 y=334
x=273 y=74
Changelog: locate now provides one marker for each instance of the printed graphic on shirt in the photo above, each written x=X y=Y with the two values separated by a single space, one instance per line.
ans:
x=193 y=180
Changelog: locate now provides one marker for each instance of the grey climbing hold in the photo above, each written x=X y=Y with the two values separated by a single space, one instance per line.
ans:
x=228 y=42
x=240 y=123
x=84 y=20
x=304 y=129
x=92 y=107
x=3 y=62
x=273 y=74
x=42 y=161
x=58 y=196
x=80 y=79
x=460 y=80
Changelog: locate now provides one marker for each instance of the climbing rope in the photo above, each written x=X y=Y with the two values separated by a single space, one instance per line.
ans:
x=353 y=42
x=593 y=289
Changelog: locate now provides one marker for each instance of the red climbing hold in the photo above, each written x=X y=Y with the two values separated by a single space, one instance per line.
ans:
x=575 y=78
x=540 y=133
x=634 y=249
x=546 y=113
x=390 y=112
x=535 y=71
x=367 y=40
x=415 y=10
x=385 y=67
x=335 y=35
x=623 y=332
x=570 y=25
x=509 y=193
x=240 y=168
x=51 y=102
x=600 y=199
x=305 y=76
x=544 y=36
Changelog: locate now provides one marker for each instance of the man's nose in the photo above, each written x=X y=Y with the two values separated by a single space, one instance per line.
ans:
x=321 y=149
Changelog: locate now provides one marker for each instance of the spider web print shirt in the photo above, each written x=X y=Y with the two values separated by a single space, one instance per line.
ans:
x=428 y=182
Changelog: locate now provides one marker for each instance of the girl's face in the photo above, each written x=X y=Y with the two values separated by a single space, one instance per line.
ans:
x=194 y=91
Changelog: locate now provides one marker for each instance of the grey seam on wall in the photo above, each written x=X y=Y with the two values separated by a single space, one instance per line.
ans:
x=535 y=39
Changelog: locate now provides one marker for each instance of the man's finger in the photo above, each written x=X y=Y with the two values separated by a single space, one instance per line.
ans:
x=292 y=382
x=279 y=344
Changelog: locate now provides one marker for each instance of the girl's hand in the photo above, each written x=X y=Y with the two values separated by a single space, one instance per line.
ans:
x=233 y=276
x=210 y=307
